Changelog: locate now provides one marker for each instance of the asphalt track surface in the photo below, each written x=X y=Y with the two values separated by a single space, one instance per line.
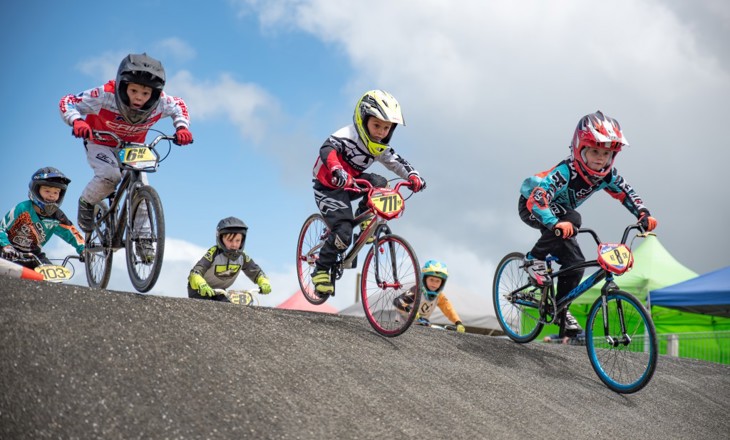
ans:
x=86 y=364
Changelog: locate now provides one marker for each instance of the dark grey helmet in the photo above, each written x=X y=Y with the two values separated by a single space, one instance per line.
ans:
x=230 y=225
x=140 y=69
x=47 y=176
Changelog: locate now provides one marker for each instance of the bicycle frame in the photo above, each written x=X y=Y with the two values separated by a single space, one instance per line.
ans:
x=599 y=275
x=119 y=210
x=377 y=228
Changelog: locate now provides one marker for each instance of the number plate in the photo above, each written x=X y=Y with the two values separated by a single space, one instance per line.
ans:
x=54 y=274
x=616 y=258
x=387 y=203
x=137 y=157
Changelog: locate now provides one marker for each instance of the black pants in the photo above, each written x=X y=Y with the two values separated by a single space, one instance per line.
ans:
x=566 y=251
x=335 y=206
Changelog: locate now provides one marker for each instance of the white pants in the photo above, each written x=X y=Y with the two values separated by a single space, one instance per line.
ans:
x=107 y=175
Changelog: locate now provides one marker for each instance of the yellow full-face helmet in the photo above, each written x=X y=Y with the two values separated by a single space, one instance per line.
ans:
x=383 y=106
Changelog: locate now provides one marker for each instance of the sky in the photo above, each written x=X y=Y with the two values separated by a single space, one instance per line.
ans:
x=491 y=92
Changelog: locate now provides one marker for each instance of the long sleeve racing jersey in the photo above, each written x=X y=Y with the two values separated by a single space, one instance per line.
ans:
x=29 y=232
x=344 y=149
x=563 y=186
x=99 y=107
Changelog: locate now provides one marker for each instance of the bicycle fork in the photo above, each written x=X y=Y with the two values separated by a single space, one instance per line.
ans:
x=625 y=338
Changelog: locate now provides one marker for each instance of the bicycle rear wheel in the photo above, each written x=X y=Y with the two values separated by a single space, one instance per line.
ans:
x=516 y=301
x=98 y=252
x=311 y=239
x=145 y=241
x=394 y=272
x=625 y=362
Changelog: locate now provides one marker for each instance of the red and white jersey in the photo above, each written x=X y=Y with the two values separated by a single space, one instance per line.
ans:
x=99 y=106
x=344 y=149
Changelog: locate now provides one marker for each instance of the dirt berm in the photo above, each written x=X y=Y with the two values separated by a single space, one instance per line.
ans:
x=82 y=363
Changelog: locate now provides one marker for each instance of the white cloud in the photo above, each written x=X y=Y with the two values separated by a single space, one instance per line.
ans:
x=247 y=106
x=491 y=93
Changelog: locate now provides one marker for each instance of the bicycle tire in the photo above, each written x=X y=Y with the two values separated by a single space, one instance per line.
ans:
x=518 y=314
x=98 y=252
x=142 y=272
x=397 y=265
x=311 y=235
x=625 y=367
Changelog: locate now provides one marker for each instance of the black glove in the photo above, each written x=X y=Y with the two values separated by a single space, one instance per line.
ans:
x=10 y=253
x=340 y=178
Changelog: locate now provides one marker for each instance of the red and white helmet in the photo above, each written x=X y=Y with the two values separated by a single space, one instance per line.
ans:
x=596 y=130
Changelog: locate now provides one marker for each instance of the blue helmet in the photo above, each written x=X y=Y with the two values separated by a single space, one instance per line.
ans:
x=434 y=268
x=47 y=176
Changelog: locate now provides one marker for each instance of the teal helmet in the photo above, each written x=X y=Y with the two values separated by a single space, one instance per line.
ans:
x=434 y=268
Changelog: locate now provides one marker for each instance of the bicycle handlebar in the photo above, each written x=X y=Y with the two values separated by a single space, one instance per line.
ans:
x=29 y=256
x=629 y=228
x=362 y=185
x=101 y=135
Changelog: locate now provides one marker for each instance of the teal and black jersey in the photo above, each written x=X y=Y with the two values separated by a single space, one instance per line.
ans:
x=28 y=231
x=561 y=185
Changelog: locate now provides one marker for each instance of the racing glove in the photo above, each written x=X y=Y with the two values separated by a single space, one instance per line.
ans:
x=340 y=178
x=198 y=283
x=460 y=327
x=566 y=229
x=648 y=223
x=183 y=136
x=81 y=129
x=417 y=182
x=264 y=284
x=10 y=253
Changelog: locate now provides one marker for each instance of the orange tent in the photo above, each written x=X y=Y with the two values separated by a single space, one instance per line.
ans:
x=298 y=302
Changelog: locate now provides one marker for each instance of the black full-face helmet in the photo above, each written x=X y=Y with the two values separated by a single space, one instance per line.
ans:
x=47 y=176
x=230 y=225
x=139 y=69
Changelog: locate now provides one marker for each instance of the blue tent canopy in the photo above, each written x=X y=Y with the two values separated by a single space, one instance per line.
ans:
x=708 y=294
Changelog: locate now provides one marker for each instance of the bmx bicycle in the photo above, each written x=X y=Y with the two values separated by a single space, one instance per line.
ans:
x=130 y=217
x=390 y=267
x=620 y=335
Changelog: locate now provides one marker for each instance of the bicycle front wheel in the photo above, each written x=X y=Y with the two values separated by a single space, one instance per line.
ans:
x=312 y=236
x=145 y=241
x=98 y=250
x=621 y=342
x=516 y=301
x=385 y=276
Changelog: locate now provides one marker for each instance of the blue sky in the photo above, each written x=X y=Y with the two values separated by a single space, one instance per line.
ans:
x=490 y=91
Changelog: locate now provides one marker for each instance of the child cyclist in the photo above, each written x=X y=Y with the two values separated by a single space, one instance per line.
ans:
x=127 y=106
x=221 y=265
x=549 y=200
x=347 y=153
x=433 y=279
x=31 y=223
